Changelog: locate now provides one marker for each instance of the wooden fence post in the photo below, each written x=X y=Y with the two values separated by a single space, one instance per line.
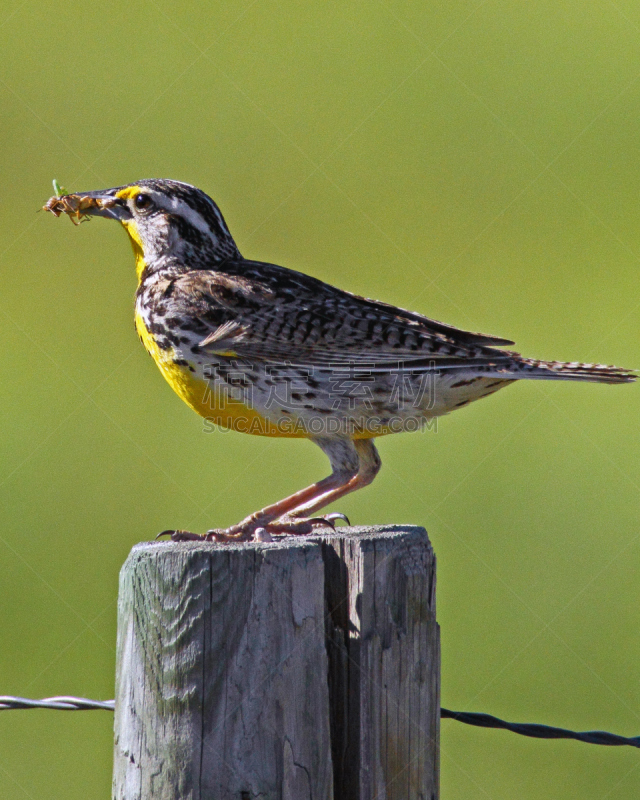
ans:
x=304 y=669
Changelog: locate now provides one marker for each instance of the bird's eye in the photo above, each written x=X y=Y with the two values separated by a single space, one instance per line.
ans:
x=142 y=202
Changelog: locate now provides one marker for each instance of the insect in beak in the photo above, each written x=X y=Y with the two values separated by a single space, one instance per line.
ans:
x=80 y=206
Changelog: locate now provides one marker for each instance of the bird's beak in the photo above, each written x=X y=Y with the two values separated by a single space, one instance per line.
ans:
x=106 y=204
x=102 y=203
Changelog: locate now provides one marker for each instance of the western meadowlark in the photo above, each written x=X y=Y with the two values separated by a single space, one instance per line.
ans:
x=265 y=350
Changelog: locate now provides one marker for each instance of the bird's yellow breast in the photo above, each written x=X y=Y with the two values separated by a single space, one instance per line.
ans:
x=205 y=399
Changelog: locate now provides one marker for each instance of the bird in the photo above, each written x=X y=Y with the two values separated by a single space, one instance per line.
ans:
x=266 y=350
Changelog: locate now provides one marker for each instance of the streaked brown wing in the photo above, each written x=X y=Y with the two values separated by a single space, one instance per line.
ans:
x=279 y=314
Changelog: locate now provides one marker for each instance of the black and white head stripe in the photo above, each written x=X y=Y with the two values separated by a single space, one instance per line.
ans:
x=195 y=215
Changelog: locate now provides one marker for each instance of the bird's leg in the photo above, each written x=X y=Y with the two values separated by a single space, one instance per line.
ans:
x=279 y=517
x=369 y=466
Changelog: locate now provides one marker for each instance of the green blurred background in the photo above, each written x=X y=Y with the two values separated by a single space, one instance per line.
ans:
x=475 y=161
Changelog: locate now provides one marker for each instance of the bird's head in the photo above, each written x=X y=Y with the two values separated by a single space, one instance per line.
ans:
x=168 y=222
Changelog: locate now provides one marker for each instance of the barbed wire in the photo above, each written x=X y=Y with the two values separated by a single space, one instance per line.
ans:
x=62 y=703
x=539 y=731
x=66 y=703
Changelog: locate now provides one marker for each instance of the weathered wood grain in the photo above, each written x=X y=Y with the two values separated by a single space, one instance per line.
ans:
x=305 y=669
x=384 y=656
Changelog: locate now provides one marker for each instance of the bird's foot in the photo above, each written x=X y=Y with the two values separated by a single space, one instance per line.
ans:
x=259 y=530
x=299 y=526
x=214 y=535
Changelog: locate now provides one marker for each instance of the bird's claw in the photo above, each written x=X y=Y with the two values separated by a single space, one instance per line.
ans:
x=181 y=536
x=337 y=515
x=209 y=536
